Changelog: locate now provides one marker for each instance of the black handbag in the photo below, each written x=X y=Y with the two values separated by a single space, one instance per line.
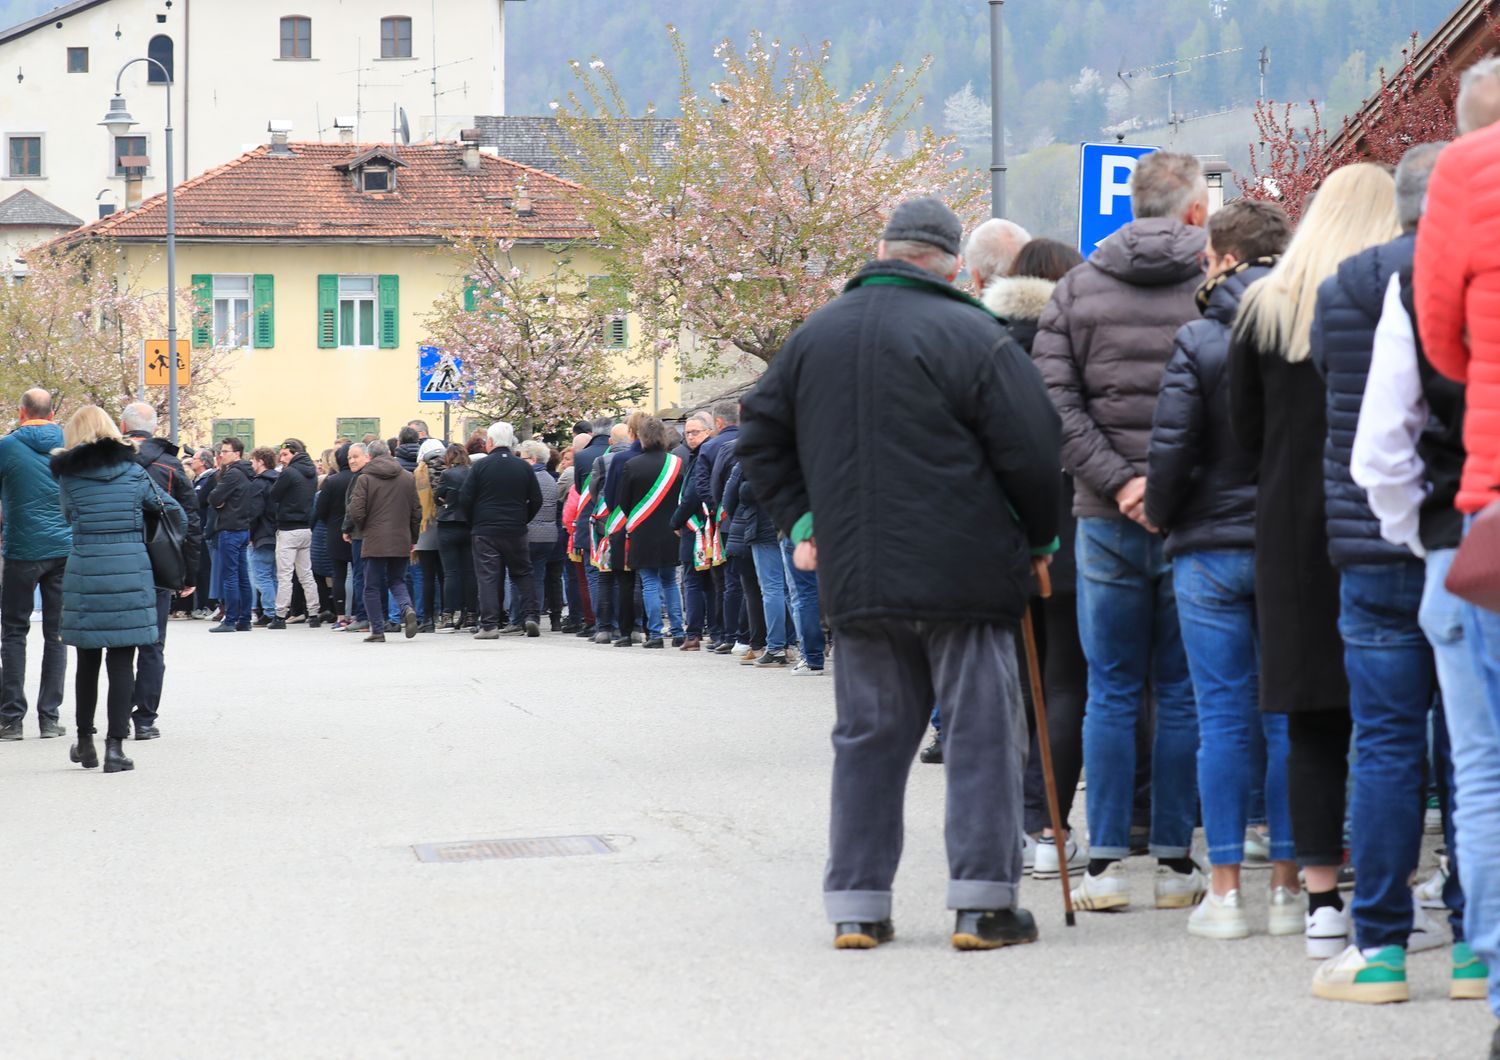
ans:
x=164 y=544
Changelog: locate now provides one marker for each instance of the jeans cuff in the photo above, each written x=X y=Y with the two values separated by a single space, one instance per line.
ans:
x=982 y=894
x=861 y=907
x=1108 y=853
x=1160 y=850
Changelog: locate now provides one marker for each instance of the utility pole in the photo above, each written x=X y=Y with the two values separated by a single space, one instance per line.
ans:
x=1265 y=61
x=997 y=110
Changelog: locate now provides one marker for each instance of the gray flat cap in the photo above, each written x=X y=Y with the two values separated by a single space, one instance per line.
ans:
x=926 y=220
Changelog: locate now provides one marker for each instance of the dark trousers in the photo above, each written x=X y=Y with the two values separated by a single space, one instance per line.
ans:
x=697 y=587
x=432 y=579
x=734 y=602
x=340 y=579
x=495 y=557
x=625 y=583
x=888 y=676
x=151 y=665
x=556 y=569
x=357 y=605
x=722 y=622
x=120 y=667
x=385 y=575
x=17 y=593
x=577 y=586
x=539 y=553
x=754 y=622
x=1065 y=678
x=460 y=590
x=1317 y=772
x=605 y=602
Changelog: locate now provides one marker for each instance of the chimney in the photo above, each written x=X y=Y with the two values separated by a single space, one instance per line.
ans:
x=470 y=140
x=344 y=124
x=522 y=202
x=281 y=134
x=132 y=189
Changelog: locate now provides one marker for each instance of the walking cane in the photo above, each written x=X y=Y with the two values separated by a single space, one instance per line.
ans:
x=1044 y=741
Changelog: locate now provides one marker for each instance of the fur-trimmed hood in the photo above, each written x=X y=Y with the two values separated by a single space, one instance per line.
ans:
x=1017 y=297
x=106 y=458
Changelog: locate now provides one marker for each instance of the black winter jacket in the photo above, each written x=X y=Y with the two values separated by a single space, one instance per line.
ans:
x=1200 y=482
x=406 y=455
x=446 y=489
x=816 y=436
x=293 y=493
x=263 y=509
x=500 y=496
x=233 y=497
x=160 y=459
x=1343 y=338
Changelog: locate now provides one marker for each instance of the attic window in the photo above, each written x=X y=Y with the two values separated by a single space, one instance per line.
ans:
x=375 y=178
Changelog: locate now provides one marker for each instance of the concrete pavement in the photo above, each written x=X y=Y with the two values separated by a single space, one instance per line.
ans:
x=251 y=889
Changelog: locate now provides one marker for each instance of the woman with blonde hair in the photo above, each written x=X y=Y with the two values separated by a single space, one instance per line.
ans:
x=1278 y=413
x=109 y=594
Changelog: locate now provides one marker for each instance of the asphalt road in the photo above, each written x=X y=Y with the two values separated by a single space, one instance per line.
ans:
x=251 y=890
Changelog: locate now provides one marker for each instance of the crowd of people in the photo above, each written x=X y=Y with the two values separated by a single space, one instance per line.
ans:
x=1244 y=455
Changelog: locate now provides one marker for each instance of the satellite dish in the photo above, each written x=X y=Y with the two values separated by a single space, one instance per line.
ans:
x=405 y=128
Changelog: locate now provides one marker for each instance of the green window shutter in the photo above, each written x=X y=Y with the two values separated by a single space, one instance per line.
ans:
x=244 y=430
x=471 y=296
x=328 y=312
x=389 y=307
x=356 y=427
x=617 y=335
x=263 y=306
x=203 y=311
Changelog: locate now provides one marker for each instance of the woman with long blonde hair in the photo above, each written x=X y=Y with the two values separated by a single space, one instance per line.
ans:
x=1277 y=411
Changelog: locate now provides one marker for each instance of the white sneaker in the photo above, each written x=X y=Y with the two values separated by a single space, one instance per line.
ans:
x=1178 y=890
x=1288 y=916
x=1432 y=819
x=1028 y=853
x=1108 y=890
x=803 y=670
x=1327 y=932
x=1219 y=918
x=739 y=649
x=1045 y=866
x=1426 y=933
x=1429 y=895
x=1257 y=849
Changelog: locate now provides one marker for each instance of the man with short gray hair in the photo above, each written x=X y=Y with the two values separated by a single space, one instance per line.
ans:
x=500 y=496
x=1102 y=344
x=691 y=522
x=991 y=250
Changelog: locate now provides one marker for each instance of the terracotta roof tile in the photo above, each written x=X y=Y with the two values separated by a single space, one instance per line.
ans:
x=302 y=195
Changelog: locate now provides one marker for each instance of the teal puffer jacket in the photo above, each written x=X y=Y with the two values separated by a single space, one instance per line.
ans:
x=34 y=525
x=109 y=595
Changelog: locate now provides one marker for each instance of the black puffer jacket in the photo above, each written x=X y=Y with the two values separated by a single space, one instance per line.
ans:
x=293 y=493
x=1200 y=482
x=233 y=497
x=1343 y=336
x=445 y=492
x=160 y=459
x=816 y=436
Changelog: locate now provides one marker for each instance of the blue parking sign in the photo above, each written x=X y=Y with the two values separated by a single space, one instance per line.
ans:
x=440 y=375
x=1104 y=191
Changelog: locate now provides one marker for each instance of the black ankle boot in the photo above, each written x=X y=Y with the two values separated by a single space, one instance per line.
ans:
x=114 y=758
x=83 y=751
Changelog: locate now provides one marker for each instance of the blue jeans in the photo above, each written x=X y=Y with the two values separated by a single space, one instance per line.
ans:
x=655 y=583
x=806 y=614
x=263 y=574
x=1241 y=751
x=413 y=583
x=696 y=586
x=1466 y=645
x=234 y=546
x=384 y=575
x=772 y=579
x=1391 y=686
x=1127 y=621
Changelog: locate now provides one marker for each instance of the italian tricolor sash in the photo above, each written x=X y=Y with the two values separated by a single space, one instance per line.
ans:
x=670 y=469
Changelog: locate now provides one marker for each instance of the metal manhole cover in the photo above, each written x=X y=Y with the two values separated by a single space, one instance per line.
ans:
x=562 y=846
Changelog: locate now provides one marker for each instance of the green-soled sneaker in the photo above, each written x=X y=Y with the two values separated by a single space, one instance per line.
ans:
x=1471 y=975
x=1351 y=976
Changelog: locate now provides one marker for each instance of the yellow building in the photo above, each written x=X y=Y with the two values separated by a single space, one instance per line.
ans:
x=312 y=267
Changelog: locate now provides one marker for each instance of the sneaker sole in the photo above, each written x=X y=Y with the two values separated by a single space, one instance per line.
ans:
x=1052 y=874
x=1102 y=903
x=968 y=943
x=1362 y=993
x=1468 y=990
x=1294 y=926
x=1222 y=932
x=1322 y=947
x=855 y=942
x=1178 y=901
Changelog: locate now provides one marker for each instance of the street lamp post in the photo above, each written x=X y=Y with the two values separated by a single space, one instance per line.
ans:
x=997 y=111
x=119 y=122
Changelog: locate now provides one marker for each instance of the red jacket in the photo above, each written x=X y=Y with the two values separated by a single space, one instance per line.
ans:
x=1457 y=277
x=570 y=514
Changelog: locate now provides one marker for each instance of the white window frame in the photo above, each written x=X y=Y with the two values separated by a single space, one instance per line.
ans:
x=240 y=329
x=114 y=170
x=41 y=140
x=358 y=298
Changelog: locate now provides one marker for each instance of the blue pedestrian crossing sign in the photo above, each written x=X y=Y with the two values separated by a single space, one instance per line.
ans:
x=1104 y=191
x=440 y=376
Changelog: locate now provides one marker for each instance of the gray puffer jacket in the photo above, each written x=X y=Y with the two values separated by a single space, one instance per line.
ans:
x=1102 y=344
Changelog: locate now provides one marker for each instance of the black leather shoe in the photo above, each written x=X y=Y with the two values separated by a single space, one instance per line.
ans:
x=375 y=638
x=314 y=621
x=569 y=627
x=427 y=627
x=114 y=757
x=51 y=729
x=263 y=620
x=532 y=629
x=622 y=642
x=989 y=929
x=243 y=627
x=932 y=754
x=147 y=732
x=857 y=936
x=409 y=623
x=678 y=642
x=11 y=732
x=586 y=632
x=83 y=753
x=656 y=643
x=276 y=623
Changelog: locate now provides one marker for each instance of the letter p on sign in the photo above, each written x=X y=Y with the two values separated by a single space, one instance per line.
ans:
x=1115 y=181
x=1104 y=191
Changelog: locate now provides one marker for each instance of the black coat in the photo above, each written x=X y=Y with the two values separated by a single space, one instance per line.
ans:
x=1200 y=482
x=820 y=434
x=263 y=525
x=293 y=493
x=651 y=543
x=208 y=515
x=160 y=459
x=331 y=508
x=500 y=496
x=1277 y=410
x=233 y=497
x=446 y=490
x=1343 y=339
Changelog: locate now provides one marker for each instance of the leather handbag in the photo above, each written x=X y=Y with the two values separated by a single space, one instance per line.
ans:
x=164 y=544
x=1475 y=574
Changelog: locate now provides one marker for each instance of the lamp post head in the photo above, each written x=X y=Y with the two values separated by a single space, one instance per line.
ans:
x=118 y=121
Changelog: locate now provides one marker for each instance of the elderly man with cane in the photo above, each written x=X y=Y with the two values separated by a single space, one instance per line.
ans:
x=919 y=612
